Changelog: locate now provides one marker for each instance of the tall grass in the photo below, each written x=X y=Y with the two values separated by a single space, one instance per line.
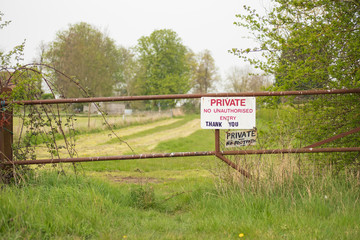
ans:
x=288 y=197
x=54 y=206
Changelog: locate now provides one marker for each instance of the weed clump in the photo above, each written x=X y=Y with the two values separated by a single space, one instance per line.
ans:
x=142 y=197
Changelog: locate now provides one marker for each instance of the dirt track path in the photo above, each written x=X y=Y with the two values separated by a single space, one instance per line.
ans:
x=102 y=137
x=96 y=144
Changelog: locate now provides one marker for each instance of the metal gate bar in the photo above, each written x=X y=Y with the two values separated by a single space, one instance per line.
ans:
x=341 y=135
x=182 y=154
x=220 y=155
x=185 y=96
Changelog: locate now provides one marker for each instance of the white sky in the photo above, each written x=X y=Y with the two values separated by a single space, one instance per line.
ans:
x=201 y=24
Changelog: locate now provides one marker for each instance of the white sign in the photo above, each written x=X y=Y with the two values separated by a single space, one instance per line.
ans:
x=240 y=138
x=228 y=112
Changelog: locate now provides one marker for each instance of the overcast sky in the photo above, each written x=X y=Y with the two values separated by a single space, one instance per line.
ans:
x=201 y=24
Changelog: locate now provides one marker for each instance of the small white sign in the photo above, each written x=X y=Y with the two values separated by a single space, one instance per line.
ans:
x=240 y=138
x=228 y=112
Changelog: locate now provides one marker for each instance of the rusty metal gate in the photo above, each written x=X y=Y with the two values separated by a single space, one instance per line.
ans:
x=6 y=158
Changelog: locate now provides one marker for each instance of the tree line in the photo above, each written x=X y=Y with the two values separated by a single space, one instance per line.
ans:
x=158 y=64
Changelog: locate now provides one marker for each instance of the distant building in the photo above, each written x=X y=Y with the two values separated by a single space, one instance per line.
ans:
x=111 y=108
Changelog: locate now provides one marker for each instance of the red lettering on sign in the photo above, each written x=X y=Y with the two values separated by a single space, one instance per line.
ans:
x=228 y=102
x=242 y=102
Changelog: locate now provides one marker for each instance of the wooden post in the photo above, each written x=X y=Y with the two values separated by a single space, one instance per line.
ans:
x=89 y=115
x=6 y=129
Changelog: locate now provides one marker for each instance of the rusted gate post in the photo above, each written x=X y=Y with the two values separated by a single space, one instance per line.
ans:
x=6 y=136
x=219 y=154
x=6 y=129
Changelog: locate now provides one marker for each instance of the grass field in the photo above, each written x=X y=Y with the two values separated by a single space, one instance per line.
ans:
x=179 y=198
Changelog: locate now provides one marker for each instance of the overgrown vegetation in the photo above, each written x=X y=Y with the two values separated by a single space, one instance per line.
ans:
x=311 y=45
x=298 y=196
x=189 y=198
x=186 y=198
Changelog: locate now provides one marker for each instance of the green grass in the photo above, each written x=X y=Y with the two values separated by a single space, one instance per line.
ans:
x=201 y=140
x=184 y=198
x=53 y=206
x=154 y=130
